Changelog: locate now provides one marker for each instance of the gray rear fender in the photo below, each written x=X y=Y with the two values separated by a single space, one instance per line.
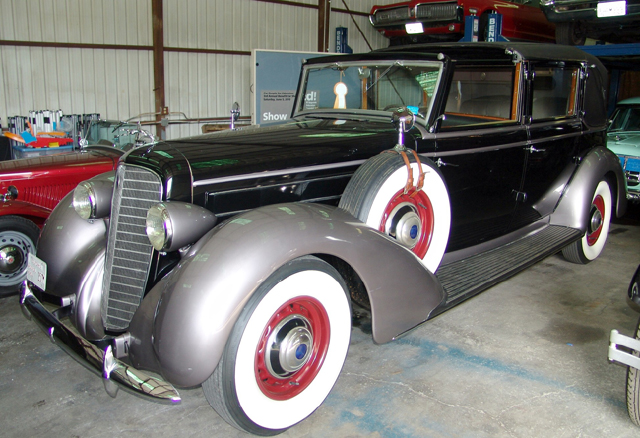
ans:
x=202 y=297
x=575 y=203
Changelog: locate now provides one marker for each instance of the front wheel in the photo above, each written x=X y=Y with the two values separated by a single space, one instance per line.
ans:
x=18 y=238
x=592 y=243
x=286 y=349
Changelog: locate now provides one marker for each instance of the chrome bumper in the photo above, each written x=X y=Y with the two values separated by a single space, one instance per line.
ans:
x=620 y=356
x=101 y=362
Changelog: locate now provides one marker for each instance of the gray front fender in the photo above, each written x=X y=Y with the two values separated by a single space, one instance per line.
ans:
x=202 y=298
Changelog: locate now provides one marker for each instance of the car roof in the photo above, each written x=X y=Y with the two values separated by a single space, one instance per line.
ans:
x=479 y=50
x=473 y=51
x=630 y=101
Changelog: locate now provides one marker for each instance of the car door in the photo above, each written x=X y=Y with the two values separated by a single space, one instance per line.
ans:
x=479 y=150
x=554 y=129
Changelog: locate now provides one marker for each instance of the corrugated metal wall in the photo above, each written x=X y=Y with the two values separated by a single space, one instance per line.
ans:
x=114 y=83
x=118 y=83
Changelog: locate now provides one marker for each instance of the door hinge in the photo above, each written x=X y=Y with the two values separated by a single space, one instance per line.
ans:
x=519 y=196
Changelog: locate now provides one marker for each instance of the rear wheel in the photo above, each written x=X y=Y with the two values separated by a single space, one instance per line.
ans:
x=18 y=238
x=572 y=33
x=483 y=24
x=286 y=349
x=592 y=243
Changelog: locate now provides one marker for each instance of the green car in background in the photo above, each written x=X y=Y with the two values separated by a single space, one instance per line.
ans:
x=623 y=138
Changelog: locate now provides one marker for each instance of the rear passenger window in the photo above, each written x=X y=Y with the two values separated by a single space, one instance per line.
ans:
x=482 y=96
x=554 y=93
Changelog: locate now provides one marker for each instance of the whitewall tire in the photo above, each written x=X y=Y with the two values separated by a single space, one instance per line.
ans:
x=592 y=243
x=286 y=349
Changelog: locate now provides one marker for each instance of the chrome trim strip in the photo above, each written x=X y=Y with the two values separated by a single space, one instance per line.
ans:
x=100 y=362
x=556 y=137
x=457 y=152
x=277 y=173
x=283 y=184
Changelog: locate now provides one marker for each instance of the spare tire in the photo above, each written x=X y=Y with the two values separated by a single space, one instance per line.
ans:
x=418 y=218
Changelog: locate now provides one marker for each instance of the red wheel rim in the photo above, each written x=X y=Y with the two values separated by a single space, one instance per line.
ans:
x=298 y=333
x=419 y=202
x=596 y=218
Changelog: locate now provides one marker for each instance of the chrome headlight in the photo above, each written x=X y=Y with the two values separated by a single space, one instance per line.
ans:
x=173 y=225
x=159 y=227
x=84 y=200
x=92 y=199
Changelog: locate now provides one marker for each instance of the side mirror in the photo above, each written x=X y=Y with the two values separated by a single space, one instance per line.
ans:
x=403 y=120
x=235 y=114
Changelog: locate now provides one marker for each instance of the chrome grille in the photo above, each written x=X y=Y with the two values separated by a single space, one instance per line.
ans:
x=129 y=251
x=388 y=16
x=437 y=11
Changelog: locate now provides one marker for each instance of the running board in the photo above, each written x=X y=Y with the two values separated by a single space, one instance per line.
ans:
x=468 y=277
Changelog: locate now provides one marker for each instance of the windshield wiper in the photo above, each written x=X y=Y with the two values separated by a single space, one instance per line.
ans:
x=384 y=73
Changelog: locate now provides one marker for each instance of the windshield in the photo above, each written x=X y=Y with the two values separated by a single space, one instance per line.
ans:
x=626 y=119
x=111 y=133
x=381 y=86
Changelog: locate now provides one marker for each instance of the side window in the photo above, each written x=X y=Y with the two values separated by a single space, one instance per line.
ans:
x=554 y=93
x=482 y=95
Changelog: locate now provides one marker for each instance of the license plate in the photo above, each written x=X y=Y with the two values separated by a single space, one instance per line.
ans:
x=37 y=271
x=612 y=9
x=632 y=165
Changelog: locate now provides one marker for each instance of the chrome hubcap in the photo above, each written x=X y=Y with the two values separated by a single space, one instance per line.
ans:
x=289 y=346
x=404 y=225
x=596 y=219
x=11 y=259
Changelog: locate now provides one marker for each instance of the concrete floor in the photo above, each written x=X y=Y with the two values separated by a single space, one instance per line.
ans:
x=526 y=358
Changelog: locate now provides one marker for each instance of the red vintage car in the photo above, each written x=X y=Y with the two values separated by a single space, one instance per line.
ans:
x=31 y=187
x=437 y=20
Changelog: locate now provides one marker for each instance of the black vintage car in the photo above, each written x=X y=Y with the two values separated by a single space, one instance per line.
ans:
x=407 y=180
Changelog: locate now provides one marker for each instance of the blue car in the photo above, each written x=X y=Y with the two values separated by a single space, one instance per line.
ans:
x=623 y=138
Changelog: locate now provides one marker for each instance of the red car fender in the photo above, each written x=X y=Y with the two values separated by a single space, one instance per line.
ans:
x=33 y=212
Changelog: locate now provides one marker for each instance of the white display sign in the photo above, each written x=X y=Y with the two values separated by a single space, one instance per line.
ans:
x=36 y=271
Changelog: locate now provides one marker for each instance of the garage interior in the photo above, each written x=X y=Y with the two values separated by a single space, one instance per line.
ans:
x=526 y=358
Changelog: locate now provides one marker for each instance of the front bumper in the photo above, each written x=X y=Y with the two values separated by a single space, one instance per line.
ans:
x=101 y=362
x=620 y=356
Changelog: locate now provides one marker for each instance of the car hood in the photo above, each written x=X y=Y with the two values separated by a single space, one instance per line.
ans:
x=624 y=143
x=300 y=143
x=58 y=164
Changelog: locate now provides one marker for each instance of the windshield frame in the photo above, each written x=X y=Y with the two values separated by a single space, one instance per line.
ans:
x=622 y=111
x=381 y=64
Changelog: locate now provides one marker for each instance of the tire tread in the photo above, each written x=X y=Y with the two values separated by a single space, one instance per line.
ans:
x=633 y=388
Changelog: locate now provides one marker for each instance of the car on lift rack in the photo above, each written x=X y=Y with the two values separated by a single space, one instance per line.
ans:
x=406 y=181
x=31 y=187
x=615 y=21
x=422 y=21
x=623 y=138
